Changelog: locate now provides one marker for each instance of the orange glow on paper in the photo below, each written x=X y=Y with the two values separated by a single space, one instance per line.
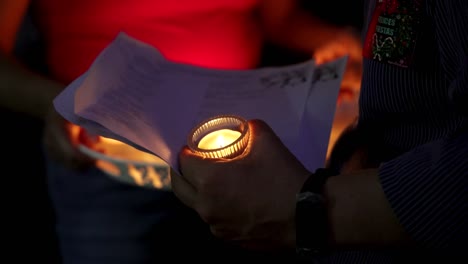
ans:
x=128 y=164
x=119 y=150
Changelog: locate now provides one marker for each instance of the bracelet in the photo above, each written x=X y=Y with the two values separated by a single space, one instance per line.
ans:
x=311 y=216
x=317 y=179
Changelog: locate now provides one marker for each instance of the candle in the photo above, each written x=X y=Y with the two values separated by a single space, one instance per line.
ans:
x=219 y=139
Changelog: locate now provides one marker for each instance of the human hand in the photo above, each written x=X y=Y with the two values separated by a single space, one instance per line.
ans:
x=347 y=42
x=249 y=199
x=61 y=140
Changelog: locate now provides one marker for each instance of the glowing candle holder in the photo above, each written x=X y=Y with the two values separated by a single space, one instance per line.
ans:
x=223 y=136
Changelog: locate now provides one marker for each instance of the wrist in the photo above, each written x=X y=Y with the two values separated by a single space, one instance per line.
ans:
x=312 y=235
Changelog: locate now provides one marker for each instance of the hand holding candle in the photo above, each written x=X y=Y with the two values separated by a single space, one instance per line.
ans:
x=248 y=198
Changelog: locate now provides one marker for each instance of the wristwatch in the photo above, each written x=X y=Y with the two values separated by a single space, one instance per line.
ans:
x=311 y=216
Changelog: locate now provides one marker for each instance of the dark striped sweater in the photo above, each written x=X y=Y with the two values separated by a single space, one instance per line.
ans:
x=416 y=119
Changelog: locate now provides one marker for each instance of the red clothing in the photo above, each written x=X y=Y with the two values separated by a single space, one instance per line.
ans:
x=210 y=33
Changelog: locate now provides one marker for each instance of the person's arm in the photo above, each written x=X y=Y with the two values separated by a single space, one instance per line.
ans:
x=20 y=89
x=286 y=24
x=359 y=214
x=24 y=91
x=251 y=199
x=418 y=200
x=425 y=188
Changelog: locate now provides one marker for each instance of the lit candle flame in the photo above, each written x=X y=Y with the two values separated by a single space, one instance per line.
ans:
x=219 y=139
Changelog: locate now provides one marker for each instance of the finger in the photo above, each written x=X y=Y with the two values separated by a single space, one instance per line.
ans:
x=182 y=189
x=324 y=56
x=191 y=163
x=262 y=135
x=85 y=138
x=61 y=148
x=266 y=146
x=72 y=138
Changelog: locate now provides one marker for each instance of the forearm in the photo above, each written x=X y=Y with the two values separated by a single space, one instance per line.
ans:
x=24 y=91
x=359 y=214
x=421 y=193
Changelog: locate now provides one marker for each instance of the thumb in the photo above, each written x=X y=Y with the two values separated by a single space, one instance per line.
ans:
x=262 y=137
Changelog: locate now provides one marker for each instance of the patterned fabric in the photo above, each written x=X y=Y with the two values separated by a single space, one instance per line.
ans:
x=415 y=117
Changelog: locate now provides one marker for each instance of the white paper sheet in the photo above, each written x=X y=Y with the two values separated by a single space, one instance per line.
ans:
x=133 y=94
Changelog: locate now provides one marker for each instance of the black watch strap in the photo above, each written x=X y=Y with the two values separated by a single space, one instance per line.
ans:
x=311 y=217
x=317 y=179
